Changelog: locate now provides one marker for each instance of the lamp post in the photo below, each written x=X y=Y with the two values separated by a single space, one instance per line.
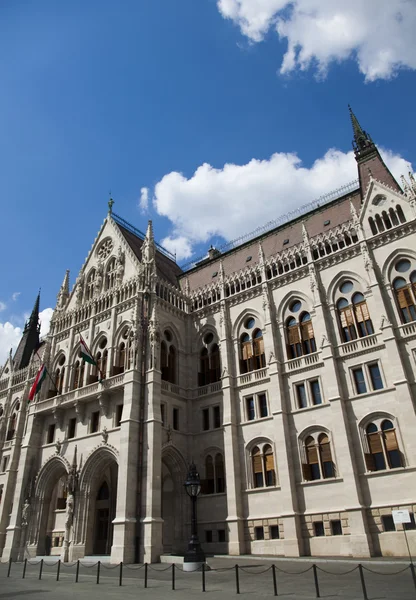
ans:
x=195 y=556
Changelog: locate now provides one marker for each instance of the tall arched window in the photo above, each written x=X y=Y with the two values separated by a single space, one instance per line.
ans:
x=89 y=290
x=214 y=482
x=353 y=315
x=300 y=336
x=78 y=380
x=209 y=361
x=383 y=448
x=263 y=467
x=60 y=374
x=12 y=427
x=120 y=361
x=168 y=359
x=252 y=355
x=111 y=273
x=99 y=371
x=317 y=457
x=405 y=289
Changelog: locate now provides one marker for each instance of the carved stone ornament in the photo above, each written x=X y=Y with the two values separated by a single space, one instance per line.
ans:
x=58 y=415
x=384 y=322
x=25 y=513
x=120 y=265
x=58 y=446
x=104 y=404
x=104 y=434
x=80 y=410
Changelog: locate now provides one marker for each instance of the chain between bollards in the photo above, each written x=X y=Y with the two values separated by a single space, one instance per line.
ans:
x=120 y=579
x=41 y=568
x=315 y=578
x=173 y=576
x=98 y=571
x=237 y=580
x=77 y=572
x=274 y=580
x=145 y=575
x=24 y=569
x=58 y=570
x=360 y=569
x=10 y=567
x=203 y=577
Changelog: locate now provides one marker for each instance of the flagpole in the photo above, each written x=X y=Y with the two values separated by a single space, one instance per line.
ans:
x=48 y=374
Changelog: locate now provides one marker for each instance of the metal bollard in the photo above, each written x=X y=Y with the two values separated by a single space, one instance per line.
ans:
x=77 y=572
x=98 y=571
x=203 y=577
x=10 y=567
x=315 y=578
x=145 y=575
x=41 y=568
x=274 y=580
x=412 y=570
x=58 y=570
x=360 y=568
x=173 y=576
x=24 y=569
x=120 y=579
x=237 y=580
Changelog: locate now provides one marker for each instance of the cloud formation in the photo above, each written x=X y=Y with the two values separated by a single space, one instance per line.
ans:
x=237 y=199
x=10 y=334
x=144 y=200
x=3 y=306
x=378 y=34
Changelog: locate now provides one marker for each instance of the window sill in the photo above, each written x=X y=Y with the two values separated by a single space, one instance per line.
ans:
x=322 y=481
x=311 y=407
x=388 y=472
x=213 y=495
x=373 y=393
x=259 y=420
x=262 y=489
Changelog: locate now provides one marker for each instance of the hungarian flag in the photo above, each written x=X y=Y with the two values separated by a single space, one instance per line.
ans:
x=85 y=353
x=37 y=384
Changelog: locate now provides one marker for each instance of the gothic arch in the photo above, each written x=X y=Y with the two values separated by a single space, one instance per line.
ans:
x=393 y=257
x=97 y=461
x=171 y=327
x=242 y=316
x=343 y=276
x=290 y=296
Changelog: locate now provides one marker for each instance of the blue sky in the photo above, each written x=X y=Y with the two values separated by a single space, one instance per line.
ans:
x=130 y=96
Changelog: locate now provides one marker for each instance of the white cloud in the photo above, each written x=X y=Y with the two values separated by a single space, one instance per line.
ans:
x=378 y=34
x=15 y=296
x=9 y=338
x=180 y=246
x=144 y=199
x=239 y=198
x=10 y=334
x=45 y=316
x=3 y=306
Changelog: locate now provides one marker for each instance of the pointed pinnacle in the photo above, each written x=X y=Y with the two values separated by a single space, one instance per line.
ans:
x=412 y=180
x=149 y=231
x=65 y=283
x=34 y=317
x=361 y=137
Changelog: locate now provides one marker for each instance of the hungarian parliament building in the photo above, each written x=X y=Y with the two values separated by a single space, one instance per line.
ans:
x=283 y=366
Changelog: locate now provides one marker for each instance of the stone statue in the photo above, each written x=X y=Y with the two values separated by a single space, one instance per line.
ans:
x=99 y=277
x=69 y=511
x=58 y=446
x=104 y=434
x=80 y=288
x=120 y=265
x=25 y=513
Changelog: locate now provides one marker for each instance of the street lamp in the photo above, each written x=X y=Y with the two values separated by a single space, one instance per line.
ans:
x=195 y=556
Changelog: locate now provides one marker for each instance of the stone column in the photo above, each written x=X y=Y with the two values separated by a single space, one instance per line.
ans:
x=124 y=530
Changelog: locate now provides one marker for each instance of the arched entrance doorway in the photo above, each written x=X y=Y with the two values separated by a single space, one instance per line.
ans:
x=174 y=502
x=97 y=502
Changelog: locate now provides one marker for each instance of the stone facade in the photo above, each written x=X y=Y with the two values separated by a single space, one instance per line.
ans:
x=284 y=368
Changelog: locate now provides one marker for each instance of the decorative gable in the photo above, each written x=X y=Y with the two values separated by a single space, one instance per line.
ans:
x=384 y=208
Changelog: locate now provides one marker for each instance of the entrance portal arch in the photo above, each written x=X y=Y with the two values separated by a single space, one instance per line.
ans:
x=175 y=503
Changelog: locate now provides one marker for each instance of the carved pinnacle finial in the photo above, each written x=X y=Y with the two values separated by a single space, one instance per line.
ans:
x=110 y=206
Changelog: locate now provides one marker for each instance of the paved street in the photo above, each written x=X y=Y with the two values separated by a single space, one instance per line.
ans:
x=337 y=579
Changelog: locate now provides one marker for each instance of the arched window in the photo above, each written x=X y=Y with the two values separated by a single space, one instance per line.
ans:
x=120 y=359
x=111 y=273
x=317 y=457
x=59 y=375
x=168 y=360
x=252 y=355
x=12 y=427
x=300 y=336
x=89 y=290
x=400 y=214
x=405 y=289
x=214 y=482
x=209 y=361
x=78 y=380
x=61 y=493
x=353 y=315
x=99 y=371
x=263 y=467
x=382 y=445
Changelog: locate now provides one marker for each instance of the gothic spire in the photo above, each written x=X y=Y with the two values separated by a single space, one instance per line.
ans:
x=63 y=293
x=362 y=141
x=30 y=338
x=148 y=248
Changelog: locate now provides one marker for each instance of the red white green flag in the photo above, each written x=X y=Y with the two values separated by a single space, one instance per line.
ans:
x=37 y=384
x=85 y=353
